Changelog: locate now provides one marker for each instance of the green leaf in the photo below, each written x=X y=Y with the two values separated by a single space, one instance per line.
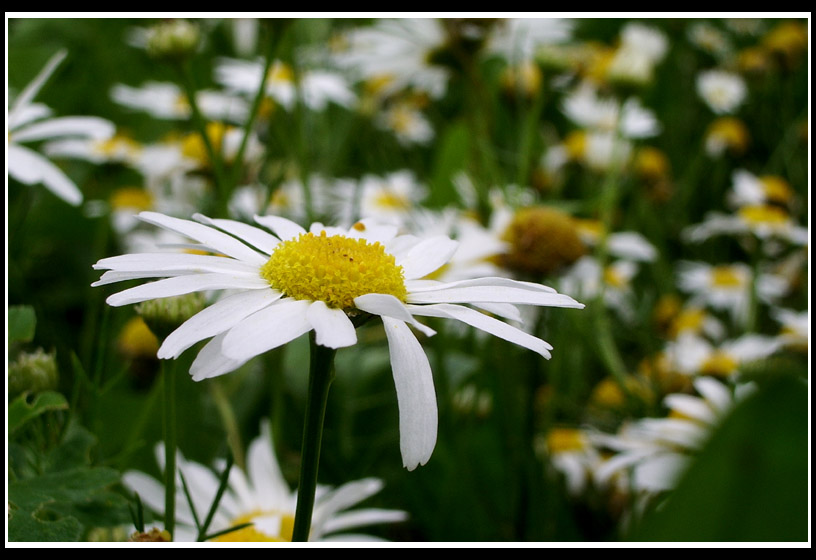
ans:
x=21 y=411
x=22 y=322
x=750 y=482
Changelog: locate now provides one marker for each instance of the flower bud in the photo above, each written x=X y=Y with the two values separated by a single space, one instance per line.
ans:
x=32 y=372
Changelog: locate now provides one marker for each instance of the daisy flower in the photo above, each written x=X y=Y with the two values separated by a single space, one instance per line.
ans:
x=297 y=281
x=691 y=354
x=28 y=121
x=589 y=110
x=262 y=497
x=722 y=91
x=164 y=100
x=317 y=88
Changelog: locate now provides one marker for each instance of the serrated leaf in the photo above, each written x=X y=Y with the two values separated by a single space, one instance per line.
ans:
x=22 y=322
x=21 y=411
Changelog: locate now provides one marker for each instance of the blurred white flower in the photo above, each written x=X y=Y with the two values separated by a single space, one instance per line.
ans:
x=749 y=190
x=586 y=279
x=262 y=497
x=652 y=453
x=518 y=39
x=397 y=51
x=28 y=121
x=727 y=287
x=795 y=327
x=693 y=355
x=766 y=222
x=722 y=91
x=631 y=120
x=407 y=122
x=316 y=88
x=165 y=100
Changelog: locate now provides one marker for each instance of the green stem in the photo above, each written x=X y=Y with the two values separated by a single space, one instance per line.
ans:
x=200 y=124
x=230 y=423
x=168 y=374
x=321 y=373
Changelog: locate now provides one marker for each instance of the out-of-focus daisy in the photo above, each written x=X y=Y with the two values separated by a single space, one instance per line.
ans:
x=164 y=100
x=710 y=39
x=399 y=53
x=748 y=189
x=390 y=198
x=727 y=287
x=119 y=148
x=586 y=279
x=631 y=120
x=517 y=39
x=316 y=88
x=766 y=222
x=694 y=355
x=571 y=452
x=405 y=119
x=598 y=150
x=262 y=497
x=28 y=121
x=722 y=91
x=641 y=48
x=285 y=285
x=628 y=245
x=795 y=328
x=726 y=134
x=652 y=453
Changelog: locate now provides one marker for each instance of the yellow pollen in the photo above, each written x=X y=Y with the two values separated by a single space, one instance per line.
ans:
x=281 y=72
x=719 y=363
x=725 y=277
x=776 y=189
x=333 y=269
x=763 y=214
x=560 y=440
x=131 y=198
x=251 y=534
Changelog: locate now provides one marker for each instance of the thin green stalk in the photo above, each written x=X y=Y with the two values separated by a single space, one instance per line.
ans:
x=200 y=123
x=168 y=375
x=321 y=373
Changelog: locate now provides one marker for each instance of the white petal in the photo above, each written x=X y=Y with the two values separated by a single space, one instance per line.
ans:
x=486 y=323
x=494 y=294
x=270 y=488
x=186 y=284
x=215 y=319
x=30 y=168
x=113 y=276
x=252 y=235
x=427 y=256
x=27 y=113
x=283 y=228
x=266 y=329
x=34 y=86
x=361 y=518
x=497 y=281
x=388 y=305
x=211 y=361
x=416 y=397
x=716 y=393
x=691 y=407
x=216 y=240
x=87 y=127
x=174 y=262
x=332 y=327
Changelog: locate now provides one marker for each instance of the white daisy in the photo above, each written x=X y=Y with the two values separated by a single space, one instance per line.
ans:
x=517 y=39
x=722 y=91
x=769 y=223
x=652 y=453
x=260 y=496
x=317 y=88
x=28 y=121
x=631 y=120
x=400 y=51
x=294 y=282
x=691 y=354
x=164 y=100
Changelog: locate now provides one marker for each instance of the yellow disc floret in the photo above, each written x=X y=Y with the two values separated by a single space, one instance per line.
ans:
x=252 y=534
x=333 y=269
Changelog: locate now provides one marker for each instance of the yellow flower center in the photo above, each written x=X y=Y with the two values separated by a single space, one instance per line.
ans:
x=614 y=277
x=333 y=269
x=776 y=189
x=719 y=363
x=730 y=133
x=131 y=198
x=560 y=440
x=253 y=534
x=281 y=72
x=193 y=147
x=763 y=215
x=688 y=320
x=725 y=277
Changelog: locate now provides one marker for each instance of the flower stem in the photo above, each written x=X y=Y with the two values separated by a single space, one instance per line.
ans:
x=321 y=373
x=168 y=371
